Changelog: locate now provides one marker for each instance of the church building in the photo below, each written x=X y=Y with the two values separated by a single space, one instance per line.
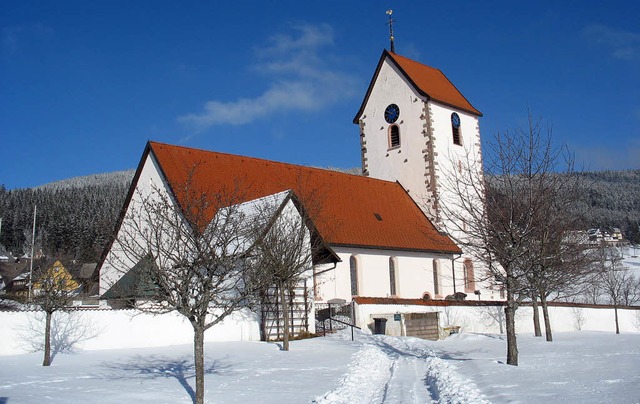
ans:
x=384 y=234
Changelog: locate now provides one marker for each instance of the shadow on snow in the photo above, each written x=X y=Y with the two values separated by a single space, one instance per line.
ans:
x=155 y=367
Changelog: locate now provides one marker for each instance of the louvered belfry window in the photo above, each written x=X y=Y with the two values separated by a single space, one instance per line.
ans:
x=455 y=128
x=394 y=136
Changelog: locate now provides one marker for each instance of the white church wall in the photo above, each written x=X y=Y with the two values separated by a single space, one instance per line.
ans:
x=150 y=182
x=414 y=274
x=452 y=160
x=406 y=162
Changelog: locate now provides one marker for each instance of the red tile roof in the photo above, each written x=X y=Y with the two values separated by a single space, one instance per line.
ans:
x=348 y=205
x=428 y=81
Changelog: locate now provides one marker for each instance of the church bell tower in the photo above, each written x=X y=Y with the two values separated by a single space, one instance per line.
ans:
x=416 y=128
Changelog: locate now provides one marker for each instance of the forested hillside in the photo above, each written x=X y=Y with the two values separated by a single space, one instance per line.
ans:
x=612 y=199
x=76 y=217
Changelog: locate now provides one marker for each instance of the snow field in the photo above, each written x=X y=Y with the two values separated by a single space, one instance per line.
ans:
x=578 y=367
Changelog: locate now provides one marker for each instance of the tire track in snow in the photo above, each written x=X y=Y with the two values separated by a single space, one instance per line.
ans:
x=406 y=382
x=435 y=375
x=401 y=370
x=365 y=381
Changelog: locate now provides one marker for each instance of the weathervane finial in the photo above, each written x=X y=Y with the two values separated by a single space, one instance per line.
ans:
x=390 y=23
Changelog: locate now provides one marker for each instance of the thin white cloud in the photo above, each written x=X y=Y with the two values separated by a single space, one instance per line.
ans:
x=608 y=158
x=622 y=44
x=301 y=79
x=12 y=38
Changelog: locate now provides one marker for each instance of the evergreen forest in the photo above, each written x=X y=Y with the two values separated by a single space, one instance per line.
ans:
x=77 y=217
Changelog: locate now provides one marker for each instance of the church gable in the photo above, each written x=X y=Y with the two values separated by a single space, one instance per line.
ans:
x=430 y=83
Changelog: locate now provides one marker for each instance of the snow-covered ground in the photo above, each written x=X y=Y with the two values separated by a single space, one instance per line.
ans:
x=579 y=367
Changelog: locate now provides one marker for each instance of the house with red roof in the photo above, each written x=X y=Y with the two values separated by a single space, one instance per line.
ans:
x=383 y=234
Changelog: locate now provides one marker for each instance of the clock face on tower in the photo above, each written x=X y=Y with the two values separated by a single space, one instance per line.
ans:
x=392 y=113
x=455 y=120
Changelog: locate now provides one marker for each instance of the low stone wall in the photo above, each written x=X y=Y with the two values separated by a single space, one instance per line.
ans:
x=22 y=331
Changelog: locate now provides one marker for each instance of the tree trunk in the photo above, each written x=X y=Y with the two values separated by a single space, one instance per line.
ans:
x=510 y=319
x=285 y=319
x=47 y=340
x=198 y=358
x=263 y=320
x=547 y=320
x=615 y=310
x=536 y=317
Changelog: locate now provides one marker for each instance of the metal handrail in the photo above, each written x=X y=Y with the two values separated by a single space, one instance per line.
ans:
x=324 y=329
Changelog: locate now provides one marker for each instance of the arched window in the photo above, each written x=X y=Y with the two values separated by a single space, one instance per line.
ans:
x=353 y=268
x=436 y=278
x=394 y=136
x=455 y=128
x=469 y=280
x=393 y=291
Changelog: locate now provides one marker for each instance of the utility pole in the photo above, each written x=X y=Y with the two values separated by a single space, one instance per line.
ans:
x=33 y=242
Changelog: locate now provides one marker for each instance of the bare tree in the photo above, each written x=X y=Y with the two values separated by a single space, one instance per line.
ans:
x=579 y=318
x=282 y=254
x=182 y=250
x=497 y=214
x=617 y=282
x=537 y=331
x=561 y=262
x=493 y=315
x=53 y=291
x=68 y=330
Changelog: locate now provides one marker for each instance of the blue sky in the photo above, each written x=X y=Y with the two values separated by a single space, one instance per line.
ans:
x=85 y=84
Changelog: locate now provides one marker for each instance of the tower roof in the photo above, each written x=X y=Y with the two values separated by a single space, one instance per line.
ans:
x=428 y=81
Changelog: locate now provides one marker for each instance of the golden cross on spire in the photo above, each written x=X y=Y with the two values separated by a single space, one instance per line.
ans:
x=390 y=23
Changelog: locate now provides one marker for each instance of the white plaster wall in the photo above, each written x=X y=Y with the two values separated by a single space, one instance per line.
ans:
x=479 y=319
x=116 y=263
x=414 y=275
x=122 y=329
x=450 y=158
x=405 y=163
x=443 y=135
x=115 y=329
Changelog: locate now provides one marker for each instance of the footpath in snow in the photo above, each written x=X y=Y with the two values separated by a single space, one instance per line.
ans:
x=400 y=370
